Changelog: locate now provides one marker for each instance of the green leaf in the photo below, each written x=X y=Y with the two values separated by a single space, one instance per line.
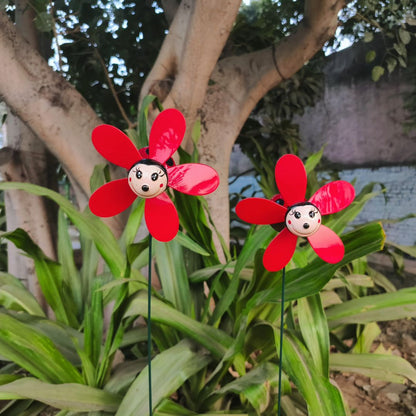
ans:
x=312 y=278
x=384 y=307
x=314 y=328
x=143 y=113
x=377 y=72
x=87 y=223
x=410 y=250
x=170 y=369
x=389 y=368
x=49 y=274
x=255 y=385
x=172 y=274
x=391 y=64
x=405 y=36
x=370 y=56
x=74 y=397
x=34 y=352
x=190 y=244
x=368 y=37
x=44 y=22
x=313 y=161
x=213 y=339
x=322 y=398
x=13 y=292
x=366 y=338
x=70 y=274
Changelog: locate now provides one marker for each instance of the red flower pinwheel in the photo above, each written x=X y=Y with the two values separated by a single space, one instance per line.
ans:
x=150 y=172
x=300 y=218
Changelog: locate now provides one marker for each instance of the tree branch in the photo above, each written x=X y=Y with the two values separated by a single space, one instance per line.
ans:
x=32 y=89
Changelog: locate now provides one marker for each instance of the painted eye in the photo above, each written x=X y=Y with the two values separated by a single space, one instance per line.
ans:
x=312 y=214
x=139 y=174
x=155 y=176
x=297 y=214
x=280 y=201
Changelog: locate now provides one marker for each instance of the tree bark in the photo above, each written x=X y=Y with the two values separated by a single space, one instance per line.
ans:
x=28 y=161
x=188 y=74
x=229 y=88
x=52 y=108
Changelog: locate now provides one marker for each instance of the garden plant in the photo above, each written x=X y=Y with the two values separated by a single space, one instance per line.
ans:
x=215 y=324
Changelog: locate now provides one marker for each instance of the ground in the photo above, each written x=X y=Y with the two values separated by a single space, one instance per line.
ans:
x=369 y=397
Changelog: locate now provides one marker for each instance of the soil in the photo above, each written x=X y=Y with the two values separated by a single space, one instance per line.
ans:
x=370 y=397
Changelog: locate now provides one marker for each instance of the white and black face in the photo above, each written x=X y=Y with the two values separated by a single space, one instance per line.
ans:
x=303 y=220
x=147 y=180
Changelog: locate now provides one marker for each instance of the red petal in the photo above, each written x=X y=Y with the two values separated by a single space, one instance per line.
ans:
x=333 y=197
x=115 y=146
x=291 y=179
x=260 y=211
x=280 y=251
x=327 y=245
x=112 y=198
x=193 y=179
x=166 y=134
x=161 y=217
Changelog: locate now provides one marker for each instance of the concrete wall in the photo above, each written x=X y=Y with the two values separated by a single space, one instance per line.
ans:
x=359 y=121
x=361 y=124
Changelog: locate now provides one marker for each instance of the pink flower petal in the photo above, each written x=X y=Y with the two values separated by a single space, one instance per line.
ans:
x=115 y=146
x=161 y=217
x=166 y=135
x=193 y=179
x=333 y=197
x=112 y=198
x=260 y=211
x=327 y=245
x=280 y=251
x=291 y=179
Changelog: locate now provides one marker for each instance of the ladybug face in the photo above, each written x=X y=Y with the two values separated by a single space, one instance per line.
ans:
x=303 y=220
x=148 y=179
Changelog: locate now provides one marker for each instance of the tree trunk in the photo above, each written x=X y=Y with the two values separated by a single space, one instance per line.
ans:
x=189 y=75
x=28 y=161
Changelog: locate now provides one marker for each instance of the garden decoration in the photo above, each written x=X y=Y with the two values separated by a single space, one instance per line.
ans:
x=151 y=171
x=292 y=215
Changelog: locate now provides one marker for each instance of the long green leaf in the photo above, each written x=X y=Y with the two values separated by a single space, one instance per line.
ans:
x=49 y=274
x=34 y=352
x=170 y=370
x=385 y=367
x=314 y=328
x=87 y=223
x=312 y=278
x=256 y=385
x=62 y=336
x=384 y=307
x=70 y=275
x=75 y=397
x=215 y=340
x=172 y=274
x=253 y=242
x=12 y=291
x=322 y=398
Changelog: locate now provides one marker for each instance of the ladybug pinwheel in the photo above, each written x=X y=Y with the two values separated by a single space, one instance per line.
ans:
x=150 y=172
x=298 y=217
